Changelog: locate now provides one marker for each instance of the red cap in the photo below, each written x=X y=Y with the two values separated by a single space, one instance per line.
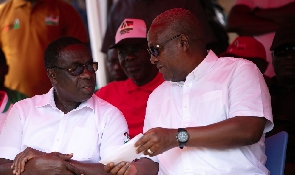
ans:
x=245 y=47
x=131 y=31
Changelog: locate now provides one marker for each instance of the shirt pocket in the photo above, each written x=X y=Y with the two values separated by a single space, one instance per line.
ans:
x=82 y=143
x=210 y=108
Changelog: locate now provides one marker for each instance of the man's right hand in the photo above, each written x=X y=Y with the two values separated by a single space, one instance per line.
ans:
x=122 y=168
x=38 y=162
x=18 y=165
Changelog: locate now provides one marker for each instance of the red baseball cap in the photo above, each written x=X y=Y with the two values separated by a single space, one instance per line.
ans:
x=131 y=31
x=245 y=47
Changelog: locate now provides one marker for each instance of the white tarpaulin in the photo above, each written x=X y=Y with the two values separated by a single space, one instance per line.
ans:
x=97 y=22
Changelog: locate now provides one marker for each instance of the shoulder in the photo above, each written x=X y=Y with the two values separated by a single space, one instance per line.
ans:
x=236 y=62
x=161 y=89
x=103 y=106
x=106 y=110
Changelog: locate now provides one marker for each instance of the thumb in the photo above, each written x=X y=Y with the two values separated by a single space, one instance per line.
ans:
x=65 y=157
x=73 y=169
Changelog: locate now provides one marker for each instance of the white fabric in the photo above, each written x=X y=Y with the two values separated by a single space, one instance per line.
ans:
x=126 y=152
x=265 y=39
x=91 y=132
x=218 y=89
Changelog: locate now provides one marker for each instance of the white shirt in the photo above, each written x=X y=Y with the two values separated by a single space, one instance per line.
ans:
x=91 y=131
x=218 y=89
x=267 y=38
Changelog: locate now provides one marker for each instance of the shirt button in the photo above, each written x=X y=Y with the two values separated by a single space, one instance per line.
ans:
x=57 y=140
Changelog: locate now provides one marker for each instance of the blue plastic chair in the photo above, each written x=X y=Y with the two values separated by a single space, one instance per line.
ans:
x=275 y=150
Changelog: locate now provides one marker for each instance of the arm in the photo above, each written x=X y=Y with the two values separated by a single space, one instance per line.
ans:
x=5 y=165
x=242 y=21
x=234 y=132
x=246 y=110
x=144 y=166
x=37 y=162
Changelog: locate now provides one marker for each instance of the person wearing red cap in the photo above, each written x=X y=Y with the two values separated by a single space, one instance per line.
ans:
x=282 y=89
x=260 y=19
x=249 y=48
x=131 y=95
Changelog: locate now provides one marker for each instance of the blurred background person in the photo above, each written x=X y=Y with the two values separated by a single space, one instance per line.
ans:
x=205 y=10
x=282 y=89
x=249 y=48
x=216 y=18
x=115 y=71
x=261 y=19
x=130 y=96
x=13 y=95
x=28 y=26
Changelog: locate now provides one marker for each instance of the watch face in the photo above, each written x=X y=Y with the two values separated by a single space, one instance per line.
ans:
x=182 y=136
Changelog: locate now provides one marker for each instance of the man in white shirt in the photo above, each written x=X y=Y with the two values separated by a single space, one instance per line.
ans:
x=211 y=115
x=69 y=119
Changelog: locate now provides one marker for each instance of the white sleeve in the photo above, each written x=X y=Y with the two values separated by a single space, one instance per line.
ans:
x=115 y=132
x=249 y=95
x=11 y=135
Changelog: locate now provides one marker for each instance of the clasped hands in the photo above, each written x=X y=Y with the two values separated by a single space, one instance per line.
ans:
x=43 y=163
x=156 y=140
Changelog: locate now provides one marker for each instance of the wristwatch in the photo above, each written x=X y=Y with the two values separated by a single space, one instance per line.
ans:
x=182 y=137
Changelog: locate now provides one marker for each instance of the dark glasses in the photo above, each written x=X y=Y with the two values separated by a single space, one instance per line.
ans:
x=79 y=68
x=154 y=50
x=283 y=51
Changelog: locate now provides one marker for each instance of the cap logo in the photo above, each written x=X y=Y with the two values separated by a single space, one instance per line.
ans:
x=237 y=46
x=126 y=26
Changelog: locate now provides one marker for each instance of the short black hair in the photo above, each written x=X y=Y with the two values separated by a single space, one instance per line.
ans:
x=52 y=51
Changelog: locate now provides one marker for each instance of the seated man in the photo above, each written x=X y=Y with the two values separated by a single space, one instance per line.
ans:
x=211 y=114
x=282 y=89
x=130 y=96
x=69 y=119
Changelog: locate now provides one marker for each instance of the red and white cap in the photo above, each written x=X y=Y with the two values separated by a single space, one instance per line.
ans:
x=245 y=47
x=131 y=31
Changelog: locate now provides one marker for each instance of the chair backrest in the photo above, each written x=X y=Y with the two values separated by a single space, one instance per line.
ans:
x=275 y=150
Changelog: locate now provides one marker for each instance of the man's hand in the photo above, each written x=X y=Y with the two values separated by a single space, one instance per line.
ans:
x=156 y=141
x=18 y=165
x=38 y=162
x=123 y=168
x=51 y=164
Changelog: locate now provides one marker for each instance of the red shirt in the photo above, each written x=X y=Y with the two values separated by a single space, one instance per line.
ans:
x=131 y=100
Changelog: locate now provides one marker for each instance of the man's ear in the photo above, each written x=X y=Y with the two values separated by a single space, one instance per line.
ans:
x=184 y=42
x=51 y=75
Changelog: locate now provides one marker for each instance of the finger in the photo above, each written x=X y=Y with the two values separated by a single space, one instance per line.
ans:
x=141 y=141
x=108 y=167
x=117 y=168
x=124 y=169
x=17 y=163
x=73 y=169
x=23 y=162
x=65 y=157
x=14 y=161
x=131 y=170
